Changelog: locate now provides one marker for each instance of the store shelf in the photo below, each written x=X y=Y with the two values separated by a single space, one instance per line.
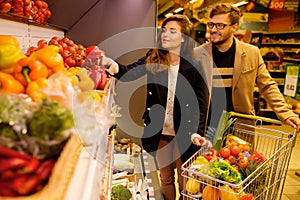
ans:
x=281 y=44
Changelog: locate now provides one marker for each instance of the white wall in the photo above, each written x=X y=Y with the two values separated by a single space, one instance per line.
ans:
x=28 y=34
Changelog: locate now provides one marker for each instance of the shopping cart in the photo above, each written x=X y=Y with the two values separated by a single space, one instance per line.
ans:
x=266 y=182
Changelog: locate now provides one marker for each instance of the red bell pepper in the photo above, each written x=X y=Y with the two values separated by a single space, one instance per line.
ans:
x=258 y=157
x=31 y=166
x=12 y=163
x=7 y=152
x=45 y=169
x=26 y=184
x=102 y=81
x=210 y=154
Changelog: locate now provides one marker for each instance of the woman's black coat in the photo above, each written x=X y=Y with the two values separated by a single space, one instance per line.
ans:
x=191 y=97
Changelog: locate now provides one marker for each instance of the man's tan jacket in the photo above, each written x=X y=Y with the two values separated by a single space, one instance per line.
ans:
x=249 y=70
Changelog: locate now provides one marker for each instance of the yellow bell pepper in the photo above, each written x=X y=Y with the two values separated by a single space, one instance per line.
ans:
x=8 y=84
x=72 y=77
x=10 y=52
x=33 y=89
x=51 y=57
x=85 y=83
x=9 y=40
x=89 y=96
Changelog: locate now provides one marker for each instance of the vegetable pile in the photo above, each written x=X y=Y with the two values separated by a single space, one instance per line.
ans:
x=22 y=174
x=120 y=192
x=232 y=164
x=40 y=130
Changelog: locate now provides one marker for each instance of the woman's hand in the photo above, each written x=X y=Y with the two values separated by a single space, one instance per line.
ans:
x=110 y=65
x=200 y=141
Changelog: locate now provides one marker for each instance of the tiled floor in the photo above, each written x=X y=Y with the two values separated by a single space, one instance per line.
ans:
x=291 y=189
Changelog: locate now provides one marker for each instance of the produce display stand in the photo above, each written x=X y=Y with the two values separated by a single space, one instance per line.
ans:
x=92 y=177
x=267 y=181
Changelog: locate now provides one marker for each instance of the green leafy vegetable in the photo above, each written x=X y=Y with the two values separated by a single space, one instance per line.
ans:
x=224 y=124
x=50 y=121
x=120 y=192
x=223 y=171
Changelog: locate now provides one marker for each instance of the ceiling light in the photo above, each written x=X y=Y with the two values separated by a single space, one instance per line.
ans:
x=168 y=14
x=178 y=10
x=241 y=3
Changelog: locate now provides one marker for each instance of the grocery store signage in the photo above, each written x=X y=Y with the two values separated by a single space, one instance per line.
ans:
x=276 y=5
x=291 y=80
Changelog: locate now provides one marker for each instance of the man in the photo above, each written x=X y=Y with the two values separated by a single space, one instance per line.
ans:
x=232 y=68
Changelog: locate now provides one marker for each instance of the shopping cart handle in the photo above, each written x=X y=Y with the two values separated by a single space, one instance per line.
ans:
x=265 y=119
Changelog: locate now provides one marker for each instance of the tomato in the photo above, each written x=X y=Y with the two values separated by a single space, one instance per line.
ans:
x=65 y=39
x=55 y=38
x=41 y=43
x=232 y=159
x=82 y=53
x=18 y=3
x=225 y=152
x=72 y=49
x=235 y=150
x=30 y=50
x=65 y=54
x=71 y=62
x=5 y=7
x=45 y=5
x=39 y=3
x=80 y=47
x=53 y=42
x=48 y=14
x=26 y=2
x=64 y=45
x=27 y=10
x=243 y=163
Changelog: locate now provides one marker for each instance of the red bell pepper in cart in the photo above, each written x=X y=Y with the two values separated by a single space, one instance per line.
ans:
x=210 y=154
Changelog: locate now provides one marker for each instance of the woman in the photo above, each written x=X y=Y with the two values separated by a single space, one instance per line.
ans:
x=175 y=103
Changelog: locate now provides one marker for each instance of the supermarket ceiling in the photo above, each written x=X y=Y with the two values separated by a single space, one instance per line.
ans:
x=92 y=21
x=67 y=13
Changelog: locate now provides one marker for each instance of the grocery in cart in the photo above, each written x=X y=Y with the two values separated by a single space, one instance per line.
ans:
x=249 y=160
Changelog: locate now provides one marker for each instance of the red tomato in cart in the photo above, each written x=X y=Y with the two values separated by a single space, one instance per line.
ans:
x=225 y=152
x=235 y=150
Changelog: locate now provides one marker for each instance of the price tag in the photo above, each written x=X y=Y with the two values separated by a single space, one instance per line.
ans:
x=277 y=5
x=291 y=80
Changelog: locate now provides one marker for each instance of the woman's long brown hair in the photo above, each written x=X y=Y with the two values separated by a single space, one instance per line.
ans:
x=158 y=60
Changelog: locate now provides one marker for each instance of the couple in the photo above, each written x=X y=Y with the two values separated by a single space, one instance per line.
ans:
x=181 y=86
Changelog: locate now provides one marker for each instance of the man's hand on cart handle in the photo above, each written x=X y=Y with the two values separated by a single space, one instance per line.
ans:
x=200 y=141
x=293 y=122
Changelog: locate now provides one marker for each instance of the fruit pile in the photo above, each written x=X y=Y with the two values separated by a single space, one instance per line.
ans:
x=37 y=10
x=76 y=55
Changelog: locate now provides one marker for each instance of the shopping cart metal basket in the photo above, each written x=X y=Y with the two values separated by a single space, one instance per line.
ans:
x=266 y=182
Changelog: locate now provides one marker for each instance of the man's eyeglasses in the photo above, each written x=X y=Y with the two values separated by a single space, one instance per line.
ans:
x=219 y=26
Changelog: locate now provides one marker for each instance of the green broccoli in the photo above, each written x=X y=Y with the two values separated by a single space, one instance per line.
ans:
x=120 y=192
